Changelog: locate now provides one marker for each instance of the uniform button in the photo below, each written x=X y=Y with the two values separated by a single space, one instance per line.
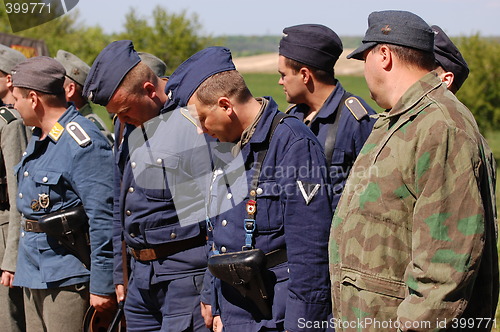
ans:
x=25 y=153
x=20 y=195
x=259 y=191
x=159 y=161
x=173 y=236
x=223 y=249
x=22 y=234
x=132 y=234
x=45 y=179
x=224 y=222
x=133 y=164
x=131 y=189
x=26 y=173
x=128 y=212
x=252 y=192
x=229 y=196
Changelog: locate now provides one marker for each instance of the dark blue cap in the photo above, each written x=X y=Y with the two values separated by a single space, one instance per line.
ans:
x=108 y=71
x=449 y=57
x=396 y=27
x=191 y=73
x=40 y=73
x=312 y=44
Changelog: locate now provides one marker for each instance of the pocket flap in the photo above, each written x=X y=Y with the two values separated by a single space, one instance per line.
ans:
x=375 y=284
x=47 y=177
x=171 y=233
x=176 y=323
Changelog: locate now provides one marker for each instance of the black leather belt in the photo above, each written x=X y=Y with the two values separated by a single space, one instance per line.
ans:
x=167 y=249
x=275 y=257
x=31 y=226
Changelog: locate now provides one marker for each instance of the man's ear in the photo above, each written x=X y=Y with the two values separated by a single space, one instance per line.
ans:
x=8 y=79
x=70 y=89
x=34 y=99
x=447 y=78
x=386 y=56
x=305 y=73
x=225 y=104
x=150 y=89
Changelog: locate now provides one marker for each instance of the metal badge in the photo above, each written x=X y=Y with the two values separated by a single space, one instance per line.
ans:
x=251 y=207
x=43 y=200
x=35 y=205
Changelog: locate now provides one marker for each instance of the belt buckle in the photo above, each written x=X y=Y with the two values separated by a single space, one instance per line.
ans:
x=28 y=226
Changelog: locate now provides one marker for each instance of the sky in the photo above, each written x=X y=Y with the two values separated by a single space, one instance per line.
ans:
x=269 y=17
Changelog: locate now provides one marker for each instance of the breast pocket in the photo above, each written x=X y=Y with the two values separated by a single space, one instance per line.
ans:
x=49 y=190
x=157 y=176
x=269 y=207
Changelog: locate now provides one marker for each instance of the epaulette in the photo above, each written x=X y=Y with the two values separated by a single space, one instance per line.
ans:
x=290 y=108
x=96 y=121
x=7 y=115
x=78 y=134
x=356 y=108
x=185 y=113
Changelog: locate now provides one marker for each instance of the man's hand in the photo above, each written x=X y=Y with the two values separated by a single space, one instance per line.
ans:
x=217 y=324
x=206 y=313
x=120 y=292
x=7 y=279
x=102 y=303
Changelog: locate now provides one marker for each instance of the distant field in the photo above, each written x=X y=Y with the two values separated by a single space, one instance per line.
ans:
x=267 y=85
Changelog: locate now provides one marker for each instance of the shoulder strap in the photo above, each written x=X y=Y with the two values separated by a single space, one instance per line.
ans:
x=262 y=153
x=7 y=115
x=331 y=137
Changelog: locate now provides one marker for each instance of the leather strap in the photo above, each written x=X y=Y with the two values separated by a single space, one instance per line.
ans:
x=31 y=226
x=166 y=249
x=276 y=257
x=332 y=131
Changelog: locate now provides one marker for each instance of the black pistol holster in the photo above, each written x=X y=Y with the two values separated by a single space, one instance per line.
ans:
x=244 y=271
x=71 y=228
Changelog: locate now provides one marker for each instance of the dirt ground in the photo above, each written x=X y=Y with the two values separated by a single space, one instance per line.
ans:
x=268 y=63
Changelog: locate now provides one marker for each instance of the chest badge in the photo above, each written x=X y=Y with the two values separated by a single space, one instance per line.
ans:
x=43 y=200
x=35 y=205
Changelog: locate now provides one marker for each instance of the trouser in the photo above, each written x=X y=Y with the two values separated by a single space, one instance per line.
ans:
x=56 y=309
x=170 y=306
x=11 y=299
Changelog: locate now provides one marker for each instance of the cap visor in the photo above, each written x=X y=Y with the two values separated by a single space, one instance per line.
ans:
x=358 y=53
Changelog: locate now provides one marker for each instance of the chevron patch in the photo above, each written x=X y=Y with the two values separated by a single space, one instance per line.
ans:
x=56 y=132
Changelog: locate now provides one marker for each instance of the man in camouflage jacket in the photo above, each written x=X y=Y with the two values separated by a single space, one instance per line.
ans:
x=413 y=240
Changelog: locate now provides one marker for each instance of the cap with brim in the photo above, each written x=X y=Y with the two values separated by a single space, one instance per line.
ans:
x=76 y=68
x=194 y=71
x=398 y=28
x=108 y=71
x=9 y=58
x=312 y=44
x=41 y=73
x=156 y=64
x=449 y=57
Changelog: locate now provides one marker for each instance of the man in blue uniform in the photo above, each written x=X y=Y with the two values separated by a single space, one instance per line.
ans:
x=13 y=141
x=76 y=73
x=159 y=197
x=67 y=164
x=285 y=212
x=341 y=121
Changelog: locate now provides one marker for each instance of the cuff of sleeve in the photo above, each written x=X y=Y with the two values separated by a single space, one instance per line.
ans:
x=101 y=281
x=299 y=315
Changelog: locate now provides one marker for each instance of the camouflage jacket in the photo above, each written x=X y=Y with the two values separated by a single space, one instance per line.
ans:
x=413 y=240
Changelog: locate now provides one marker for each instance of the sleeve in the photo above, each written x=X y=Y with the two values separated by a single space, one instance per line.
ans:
x=448 y=227
x=13 y=144
x=92 y=176
x=308 y=217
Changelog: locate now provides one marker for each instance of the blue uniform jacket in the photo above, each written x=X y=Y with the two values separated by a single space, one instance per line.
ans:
x=284 y=219
x=163 y=181
x=71 y=175
x=351 y=137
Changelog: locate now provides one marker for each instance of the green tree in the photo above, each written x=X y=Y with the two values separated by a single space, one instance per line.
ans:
x=481 y=91
x=65 y=32
x=171 y=37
